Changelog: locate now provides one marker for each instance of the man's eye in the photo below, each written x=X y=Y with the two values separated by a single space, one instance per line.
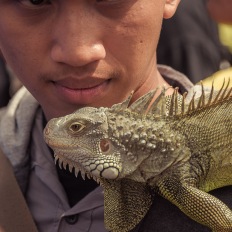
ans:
x=37 y=2
x=31 y=3
x=108 y=1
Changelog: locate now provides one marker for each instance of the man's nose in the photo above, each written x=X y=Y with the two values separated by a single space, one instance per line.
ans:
x=77 y=38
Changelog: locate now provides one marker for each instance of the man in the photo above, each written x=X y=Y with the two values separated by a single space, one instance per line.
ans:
x=70 y=54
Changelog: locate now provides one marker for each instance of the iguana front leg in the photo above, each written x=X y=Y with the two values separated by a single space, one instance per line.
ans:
x=198 y=205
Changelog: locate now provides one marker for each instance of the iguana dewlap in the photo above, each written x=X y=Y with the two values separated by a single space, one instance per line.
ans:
x=176 y=149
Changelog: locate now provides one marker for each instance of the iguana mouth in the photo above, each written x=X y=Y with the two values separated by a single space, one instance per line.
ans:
x=95 y=170
x=64 y=161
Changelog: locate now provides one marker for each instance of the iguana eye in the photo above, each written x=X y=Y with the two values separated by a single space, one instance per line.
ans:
x=76 y=127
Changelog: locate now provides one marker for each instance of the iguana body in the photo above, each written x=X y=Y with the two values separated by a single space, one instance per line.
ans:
x=177 y=149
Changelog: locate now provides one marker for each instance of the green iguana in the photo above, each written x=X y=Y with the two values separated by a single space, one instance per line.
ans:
x=178 y=149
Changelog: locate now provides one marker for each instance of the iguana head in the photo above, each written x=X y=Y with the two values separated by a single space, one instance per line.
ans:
x=81 y=140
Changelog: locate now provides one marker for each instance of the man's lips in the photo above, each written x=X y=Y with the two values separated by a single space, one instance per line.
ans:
x=80 y=93
x=77 y=84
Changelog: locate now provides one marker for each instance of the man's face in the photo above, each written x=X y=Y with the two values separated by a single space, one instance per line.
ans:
x=221 y=10
x=73 y=53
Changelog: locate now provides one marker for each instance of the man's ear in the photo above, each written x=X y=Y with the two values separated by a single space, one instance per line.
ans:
x=170 y=8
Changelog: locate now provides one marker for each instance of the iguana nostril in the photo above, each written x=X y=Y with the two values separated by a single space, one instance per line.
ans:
x=46 y=131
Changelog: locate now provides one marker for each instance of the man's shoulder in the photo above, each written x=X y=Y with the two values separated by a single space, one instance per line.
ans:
x=20 y=99
x=16 y=121
x=175 y=78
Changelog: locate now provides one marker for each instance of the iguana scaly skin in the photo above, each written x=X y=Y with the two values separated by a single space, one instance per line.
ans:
x=177 y=149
